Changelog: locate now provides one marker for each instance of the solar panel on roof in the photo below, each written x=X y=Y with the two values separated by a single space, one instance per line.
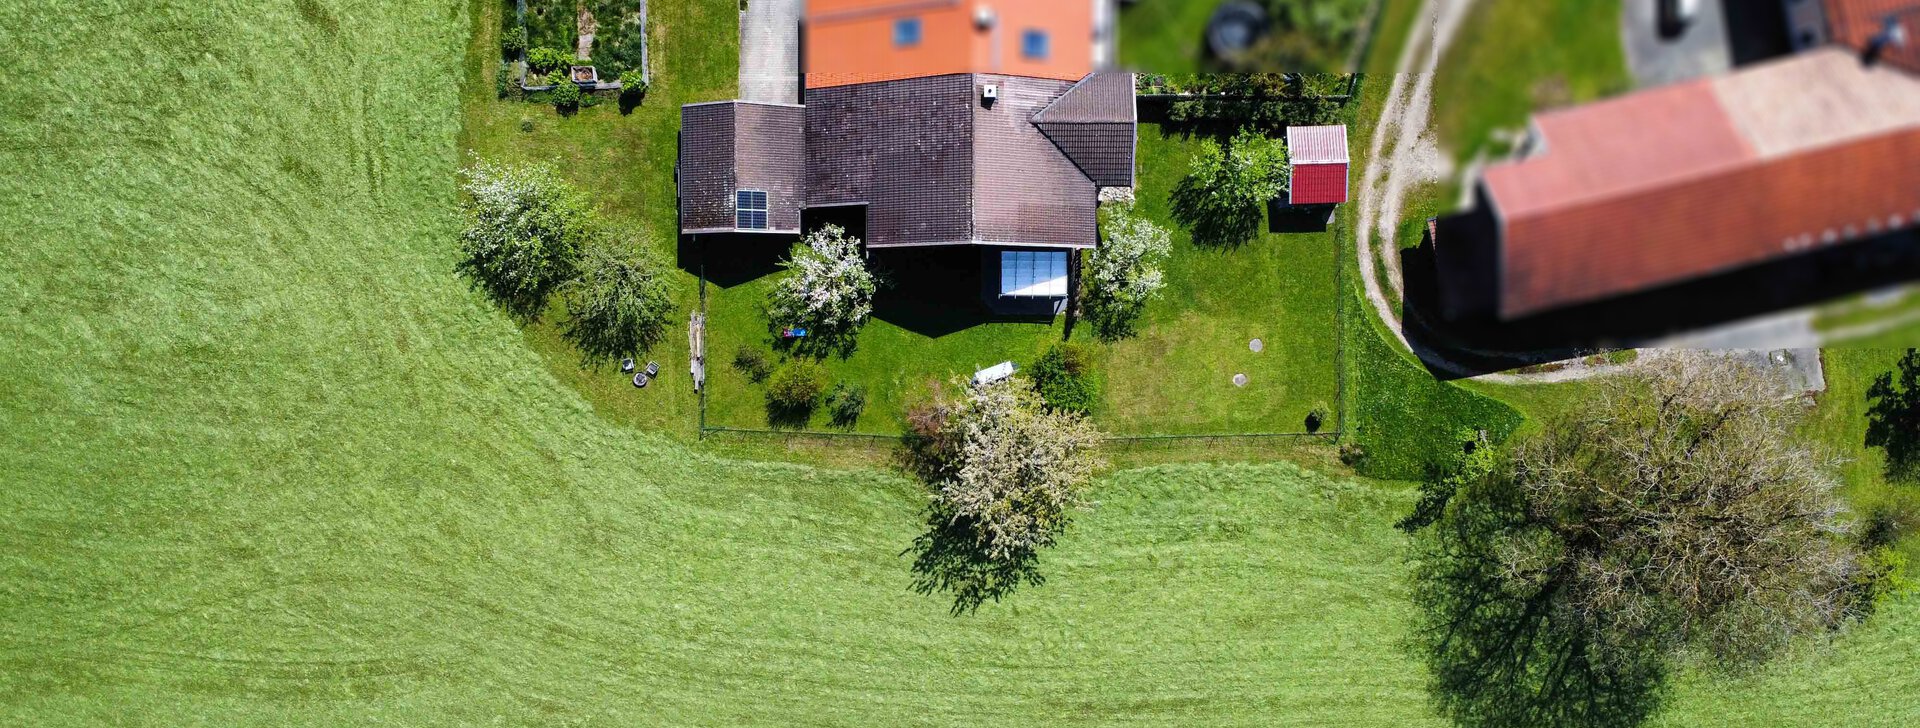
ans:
x=750 y=209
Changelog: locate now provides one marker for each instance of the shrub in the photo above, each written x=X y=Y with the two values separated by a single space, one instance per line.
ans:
x=829 y=290
x=1316 y=418
x=526 y=125
x=633 y=83
x=1064 y=378
x=524 y=233
x=546 y=60
x=566 y=93
x=1123 y=272
x=1893 y=417
x=512 y=42
x=1223 y=196
x=845 y=403
x=618 y=306
x=795 y=388
x=753 y=363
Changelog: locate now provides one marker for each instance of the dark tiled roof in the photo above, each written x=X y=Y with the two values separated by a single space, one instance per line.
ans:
x=737 y=145
x=1093 y=123
x=706 y=166
x=932 y=164
x=905 y=148
x=770 y=155
x=1025 y=190
x=1100 y=97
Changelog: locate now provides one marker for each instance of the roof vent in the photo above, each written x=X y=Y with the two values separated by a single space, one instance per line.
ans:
x=983 y=17
x=989 y=93
x=1892 y=33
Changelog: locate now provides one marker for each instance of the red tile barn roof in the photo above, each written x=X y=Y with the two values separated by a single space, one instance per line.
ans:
x=1318 y=184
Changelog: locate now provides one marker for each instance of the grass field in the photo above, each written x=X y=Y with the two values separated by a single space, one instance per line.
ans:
x=1513 y=57
x=269 y=462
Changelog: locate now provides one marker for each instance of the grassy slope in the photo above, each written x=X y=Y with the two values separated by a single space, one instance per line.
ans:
x=1514 y=56
x=270 y=463
x=626 y=162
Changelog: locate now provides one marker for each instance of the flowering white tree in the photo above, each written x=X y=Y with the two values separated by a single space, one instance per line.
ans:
x=1016 y=471
x=830 y=290
x=1123 y=273
x=525 y=230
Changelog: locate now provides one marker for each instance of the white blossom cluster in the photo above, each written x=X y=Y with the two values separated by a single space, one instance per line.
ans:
x=830 y=288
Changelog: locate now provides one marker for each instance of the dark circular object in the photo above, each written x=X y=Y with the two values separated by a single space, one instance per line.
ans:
x=1235 y=26
x=640 y=380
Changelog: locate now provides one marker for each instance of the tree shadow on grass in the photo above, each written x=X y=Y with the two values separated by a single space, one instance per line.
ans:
x=1502 y=650
x=782 y=417
x=1213 y=221
x=949 y=559
x=1893 y=417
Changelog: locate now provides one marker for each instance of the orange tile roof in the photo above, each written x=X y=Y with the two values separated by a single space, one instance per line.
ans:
x=852 y=41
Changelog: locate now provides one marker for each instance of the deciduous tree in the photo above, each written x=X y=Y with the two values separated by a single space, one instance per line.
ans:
x=829 y=290
x=1006 y=477
x=1124 y=271
x=1223 y=196
x=1674 y=518
x=618 y=305
x=525 y=228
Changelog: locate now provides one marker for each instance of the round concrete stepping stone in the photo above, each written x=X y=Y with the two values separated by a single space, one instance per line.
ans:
x=1239 y=380
x=1257 y=345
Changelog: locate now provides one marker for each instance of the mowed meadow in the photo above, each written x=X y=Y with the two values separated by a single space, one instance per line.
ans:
x=267 y=461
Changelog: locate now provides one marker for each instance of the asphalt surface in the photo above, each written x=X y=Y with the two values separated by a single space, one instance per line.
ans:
x=1701 y=49
x=770 y=51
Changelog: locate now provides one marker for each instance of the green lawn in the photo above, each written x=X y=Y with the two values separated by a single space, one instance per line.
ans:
x=625 y=161
x=1513 y=57
x=269 y=462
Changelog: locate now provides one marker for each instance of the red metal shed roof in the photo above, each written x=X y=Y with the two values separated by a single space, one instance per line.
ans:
x=1318 y=184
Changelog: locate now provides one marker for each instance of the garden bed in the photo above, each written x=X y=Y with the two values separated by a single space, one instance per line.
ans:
x=607 y=35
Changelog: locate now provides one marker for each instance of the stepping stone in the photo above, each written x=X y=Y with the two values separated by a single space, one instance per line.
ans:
x=1257 y=345
x=1239 y=380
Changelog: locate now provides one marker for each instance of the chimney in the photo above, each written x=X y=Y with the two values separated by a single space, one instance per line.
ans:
x=1892 y=33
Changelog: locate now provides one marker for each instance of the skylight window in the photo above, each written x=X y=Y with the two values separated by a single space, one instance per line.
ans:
x=750 y=210
x=906 y=32
x=1033 y=45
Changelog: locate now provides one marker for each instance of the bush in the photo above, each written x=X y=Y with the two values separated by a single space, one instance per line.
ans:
x=795 y=389
x=845 y=403
x=618 y=306
x=566 y=93
x=1064 y=378
x=1317 y=418
x=753 y=363
x=512 y=42
x=633 y=84
x=524 y=233
x=547 y=60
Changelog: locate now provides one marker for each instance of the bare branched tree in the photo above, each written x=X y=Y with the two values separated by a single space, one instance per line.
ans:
x=1675 y=517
